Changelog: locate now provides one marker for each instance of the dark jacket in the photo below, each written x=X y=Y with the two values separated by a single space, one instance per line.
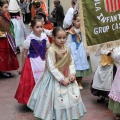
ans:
x=59 y=14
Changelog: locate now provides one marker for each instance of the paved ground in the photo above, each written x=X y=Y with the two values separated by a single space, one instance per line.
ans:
x=11 y=110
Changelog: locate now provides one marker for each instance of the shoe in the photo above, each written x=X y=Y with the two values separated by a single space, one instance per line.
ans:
x=80 y=86
x=5 y=75
x=18 y=50
x=107 y=101
x=117 y=117
x=8 y=73
x=101 y=100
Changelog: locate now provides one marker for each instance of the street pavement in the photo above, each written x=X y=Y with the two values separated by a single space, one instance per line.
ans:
x=11 y=110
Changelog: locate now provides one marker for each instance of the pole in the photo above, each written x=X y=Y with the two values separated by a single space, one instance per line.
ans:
x=48 y=7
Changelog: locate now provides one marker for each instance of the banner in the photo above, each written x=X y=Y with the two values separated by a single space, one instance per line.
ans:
x=100 y=20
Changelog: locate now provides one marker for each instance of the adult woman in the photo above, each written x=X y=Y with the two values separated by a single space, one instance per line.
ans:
x=8 y=59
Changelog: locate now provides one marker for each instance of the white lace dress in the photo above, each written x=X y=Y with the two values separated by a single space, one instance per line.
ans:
x=50 y=100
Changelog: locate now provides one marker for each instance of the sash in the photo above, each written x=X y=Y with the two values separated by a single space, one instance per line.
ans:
x=11 y=41
x=64 y=61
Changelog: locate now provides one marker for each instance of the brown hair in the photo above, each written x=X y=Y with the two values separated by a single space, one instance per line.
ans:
x=75 y=16
x=2 y=2
x=36 y=19
x=56 y=30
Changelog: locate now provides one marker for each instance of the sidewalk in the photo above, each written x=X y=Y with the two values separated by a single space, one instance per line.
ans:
x=11 y=110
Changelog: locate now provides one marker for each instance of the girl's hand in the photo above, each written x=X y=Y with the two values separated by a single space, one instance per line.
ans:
x=65 y=82
x=72 y=78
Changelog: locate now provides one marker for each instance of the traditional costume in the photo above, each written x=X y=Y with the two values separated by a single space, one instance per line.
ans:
x=33 y=67
x=51 y=100
x=114 y=102
x=8 y=58
x=103 y=77
x=82 y=64
x=19 y=28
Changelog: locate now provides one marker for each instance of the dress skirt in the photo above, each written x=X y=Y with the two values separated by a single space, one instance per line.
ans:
x=114 y=106
x=84 y=73
x=8 y=60
x=114 y=95
x=103 y=93
x=26 y=84
x=19 y=30
x=42 y=102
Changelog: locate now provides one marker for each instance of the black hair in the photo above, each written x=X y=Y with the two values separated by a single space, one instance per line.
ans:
x=41 y=13
x=2 y=2
x=21 y=1
x=36 y=19
x=73 y=3
x=56 y=30
x=75 y=16
x=57 y=2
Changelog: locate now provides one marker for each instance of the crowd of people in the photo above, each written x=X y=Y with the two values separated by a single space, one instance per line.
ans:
x=54 y=60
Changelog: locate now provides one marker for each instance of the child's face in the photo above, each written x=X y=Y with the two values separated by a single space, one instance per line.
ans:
x=60 y=38
x=38 y=28
x=77 y=22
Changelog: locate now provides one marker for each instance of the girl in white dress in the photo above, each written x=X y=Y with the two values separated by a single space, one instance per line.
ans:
x=56 y=95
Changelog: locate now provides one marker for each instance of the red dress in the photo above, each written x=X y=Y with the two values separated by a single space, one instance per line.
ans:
x=26 y=84
x=8 y=58
x=27 y=79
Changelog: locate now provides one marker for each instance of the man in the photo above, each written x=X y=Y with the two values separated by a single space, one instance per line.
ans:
x=59 y=13
x=67 y=23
